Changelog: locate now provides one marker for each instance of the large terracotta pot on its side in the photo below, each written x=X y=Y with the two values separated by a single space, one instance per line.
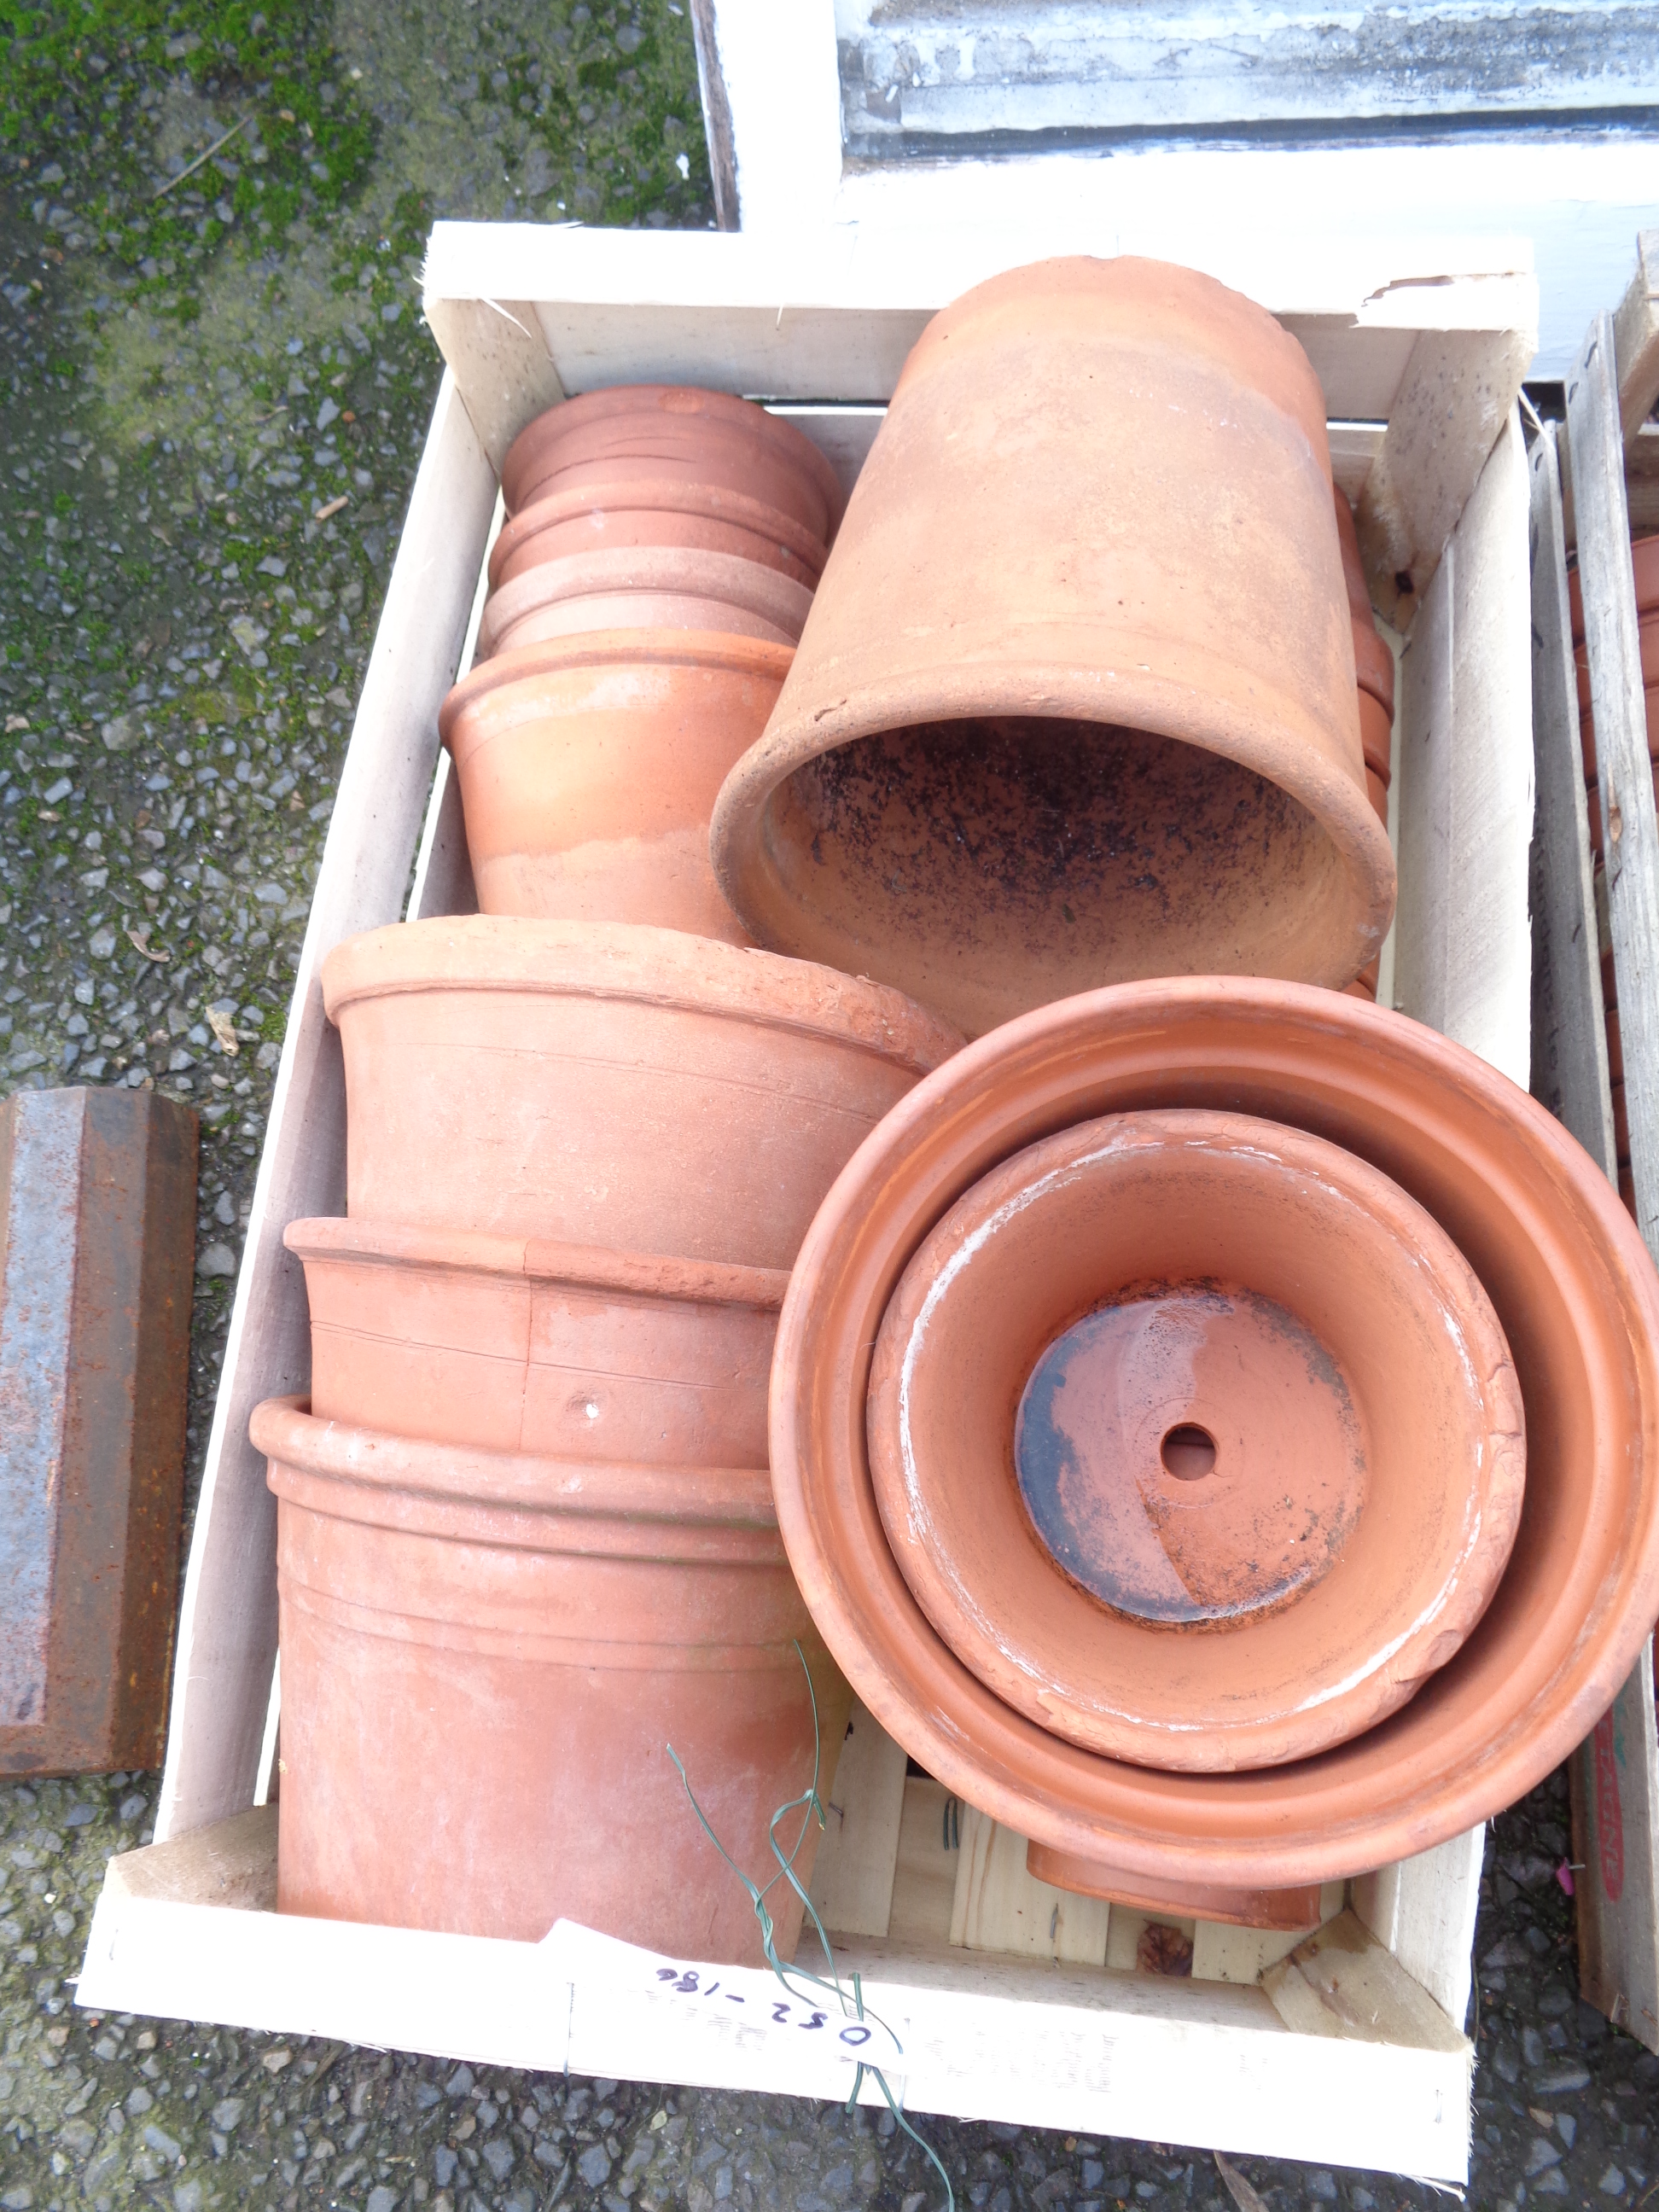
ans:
x=505 y=1346
x=589 y=767
x=605 y=1084
x=661 y=513
x=1075 y=701
x=646 y=586
x=1575 y=1294
x=1266 y=1441
x=485 y=1659
x=654 y=430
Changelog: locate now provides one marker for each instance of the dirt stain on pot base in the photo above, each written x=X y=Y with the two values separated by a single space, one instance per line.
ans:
x=1190 y=1453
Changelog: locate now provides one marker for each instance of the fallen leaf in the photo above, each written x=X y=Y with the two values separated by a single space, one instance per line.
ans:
x=139 y=940
x=1247 y=2198
x=1162 y=1949
x=221 y=1025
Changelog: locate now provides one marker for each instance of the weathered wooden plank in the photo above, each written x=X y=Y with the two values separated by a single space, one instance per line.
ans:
x=1630 y=826
x=918 y=76
x=227 y=1627
x=1224 y=1953
x=1569 y=1028
x=1341 y=1982
x=1423 y=1910
x=999 y=1906
x=852 y=1885
x=925 y=1878
x=1462 y=942
x=1459 y=390
x=716 y=115
x=1616 y=1774
x=498 y=356
x=1636 y=340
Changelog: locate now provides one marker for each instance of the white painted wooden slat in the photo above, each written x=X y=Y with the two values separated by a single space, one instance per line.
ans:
x=1568 y=1027
x=852 y=1885
x=227 y=1627
x=1423 y=1910
x=1462 y=944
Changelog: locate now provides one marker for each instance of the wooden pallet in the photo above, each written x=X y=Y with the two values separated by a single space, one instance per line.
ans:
x=1610 y=394
x=1011 y=2002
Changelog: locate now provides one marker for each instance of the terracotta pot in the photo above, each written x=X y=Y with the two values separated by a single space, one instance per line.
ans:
x=1375 y=737
x=1575 y=1294
x=506 y=1346
x=1644 y=560
x=1376 y=790
x=1107 y=738
x=1363 y=985
x=589 y=766
x=485 y=1656
x=656 y=430
x=623 y=516
x=1266 y=1441
x=1616 y=1047
x=1353 y=568
x=647 y=586
x=608 y=1085
x=1287 y=1908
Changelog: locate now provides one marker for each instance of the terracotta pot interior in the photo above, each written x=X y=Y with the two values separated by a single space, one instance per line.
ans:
x=1574 y=1295
x=1078 y=851
x=1137 y=1435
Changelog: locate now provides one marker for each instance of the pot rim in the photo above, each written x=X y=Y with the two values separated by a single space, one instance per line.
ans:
x=686 y=571
x=542 y=1260
x=636 y=961
x=728 y=650
x=1032 y=688
x=1429 y=1772
x=652 y=496
x=378 y=1467
x=727 y=408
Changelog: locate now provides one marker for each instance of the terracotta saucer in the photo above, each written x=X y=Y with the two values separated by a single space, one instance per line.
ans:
x=1196 y=1439
x=1574 y=1293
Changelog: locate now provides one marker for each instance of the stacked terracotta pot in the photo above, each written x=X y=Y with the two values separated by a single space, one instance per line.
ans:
x=1214 y=1423
x=1644 y=553
x=527 y=1540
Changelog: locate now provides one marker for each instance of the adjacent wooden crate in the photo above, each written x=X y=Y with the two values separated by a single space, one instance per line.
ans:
x=1610 y=390
x=1012 y=2001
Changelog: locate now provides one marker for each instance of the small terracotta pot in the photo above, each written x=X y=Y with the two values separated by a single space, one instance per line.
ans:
x=1363 y=985
x=1104 y=740
x=1644 y=560
x=589 y=767
x=1375 y=737
x=504 y=1346
x=485 y=1657
x=1616 y=1047
x=1376 y=787
x=608 y=1085
x=659 y=586
x=1575 y=1294
x=1236 y=1533
x=608 y=517
x=656 y=430
x=1353 y=568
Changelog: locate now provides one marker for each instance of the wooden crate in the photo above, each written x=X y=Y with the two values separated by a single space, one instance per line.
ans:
x=1605 y=463
x=1011 y=2002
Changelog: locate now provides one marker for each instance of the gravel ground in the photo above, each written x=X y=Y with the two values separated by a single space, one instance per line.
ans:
x=219 y=383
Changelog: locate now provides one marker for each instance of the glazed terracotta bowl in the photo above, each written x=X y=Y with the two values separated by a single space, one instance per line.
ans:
x=1195 y=1439
x=658 y=430
x=589 y=767
x=1048 y=724
x=1575 y=1294
x=661 y=587
x=510 y=1644
x=602 y=1085
x=654 y=512
x=506 y=1346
